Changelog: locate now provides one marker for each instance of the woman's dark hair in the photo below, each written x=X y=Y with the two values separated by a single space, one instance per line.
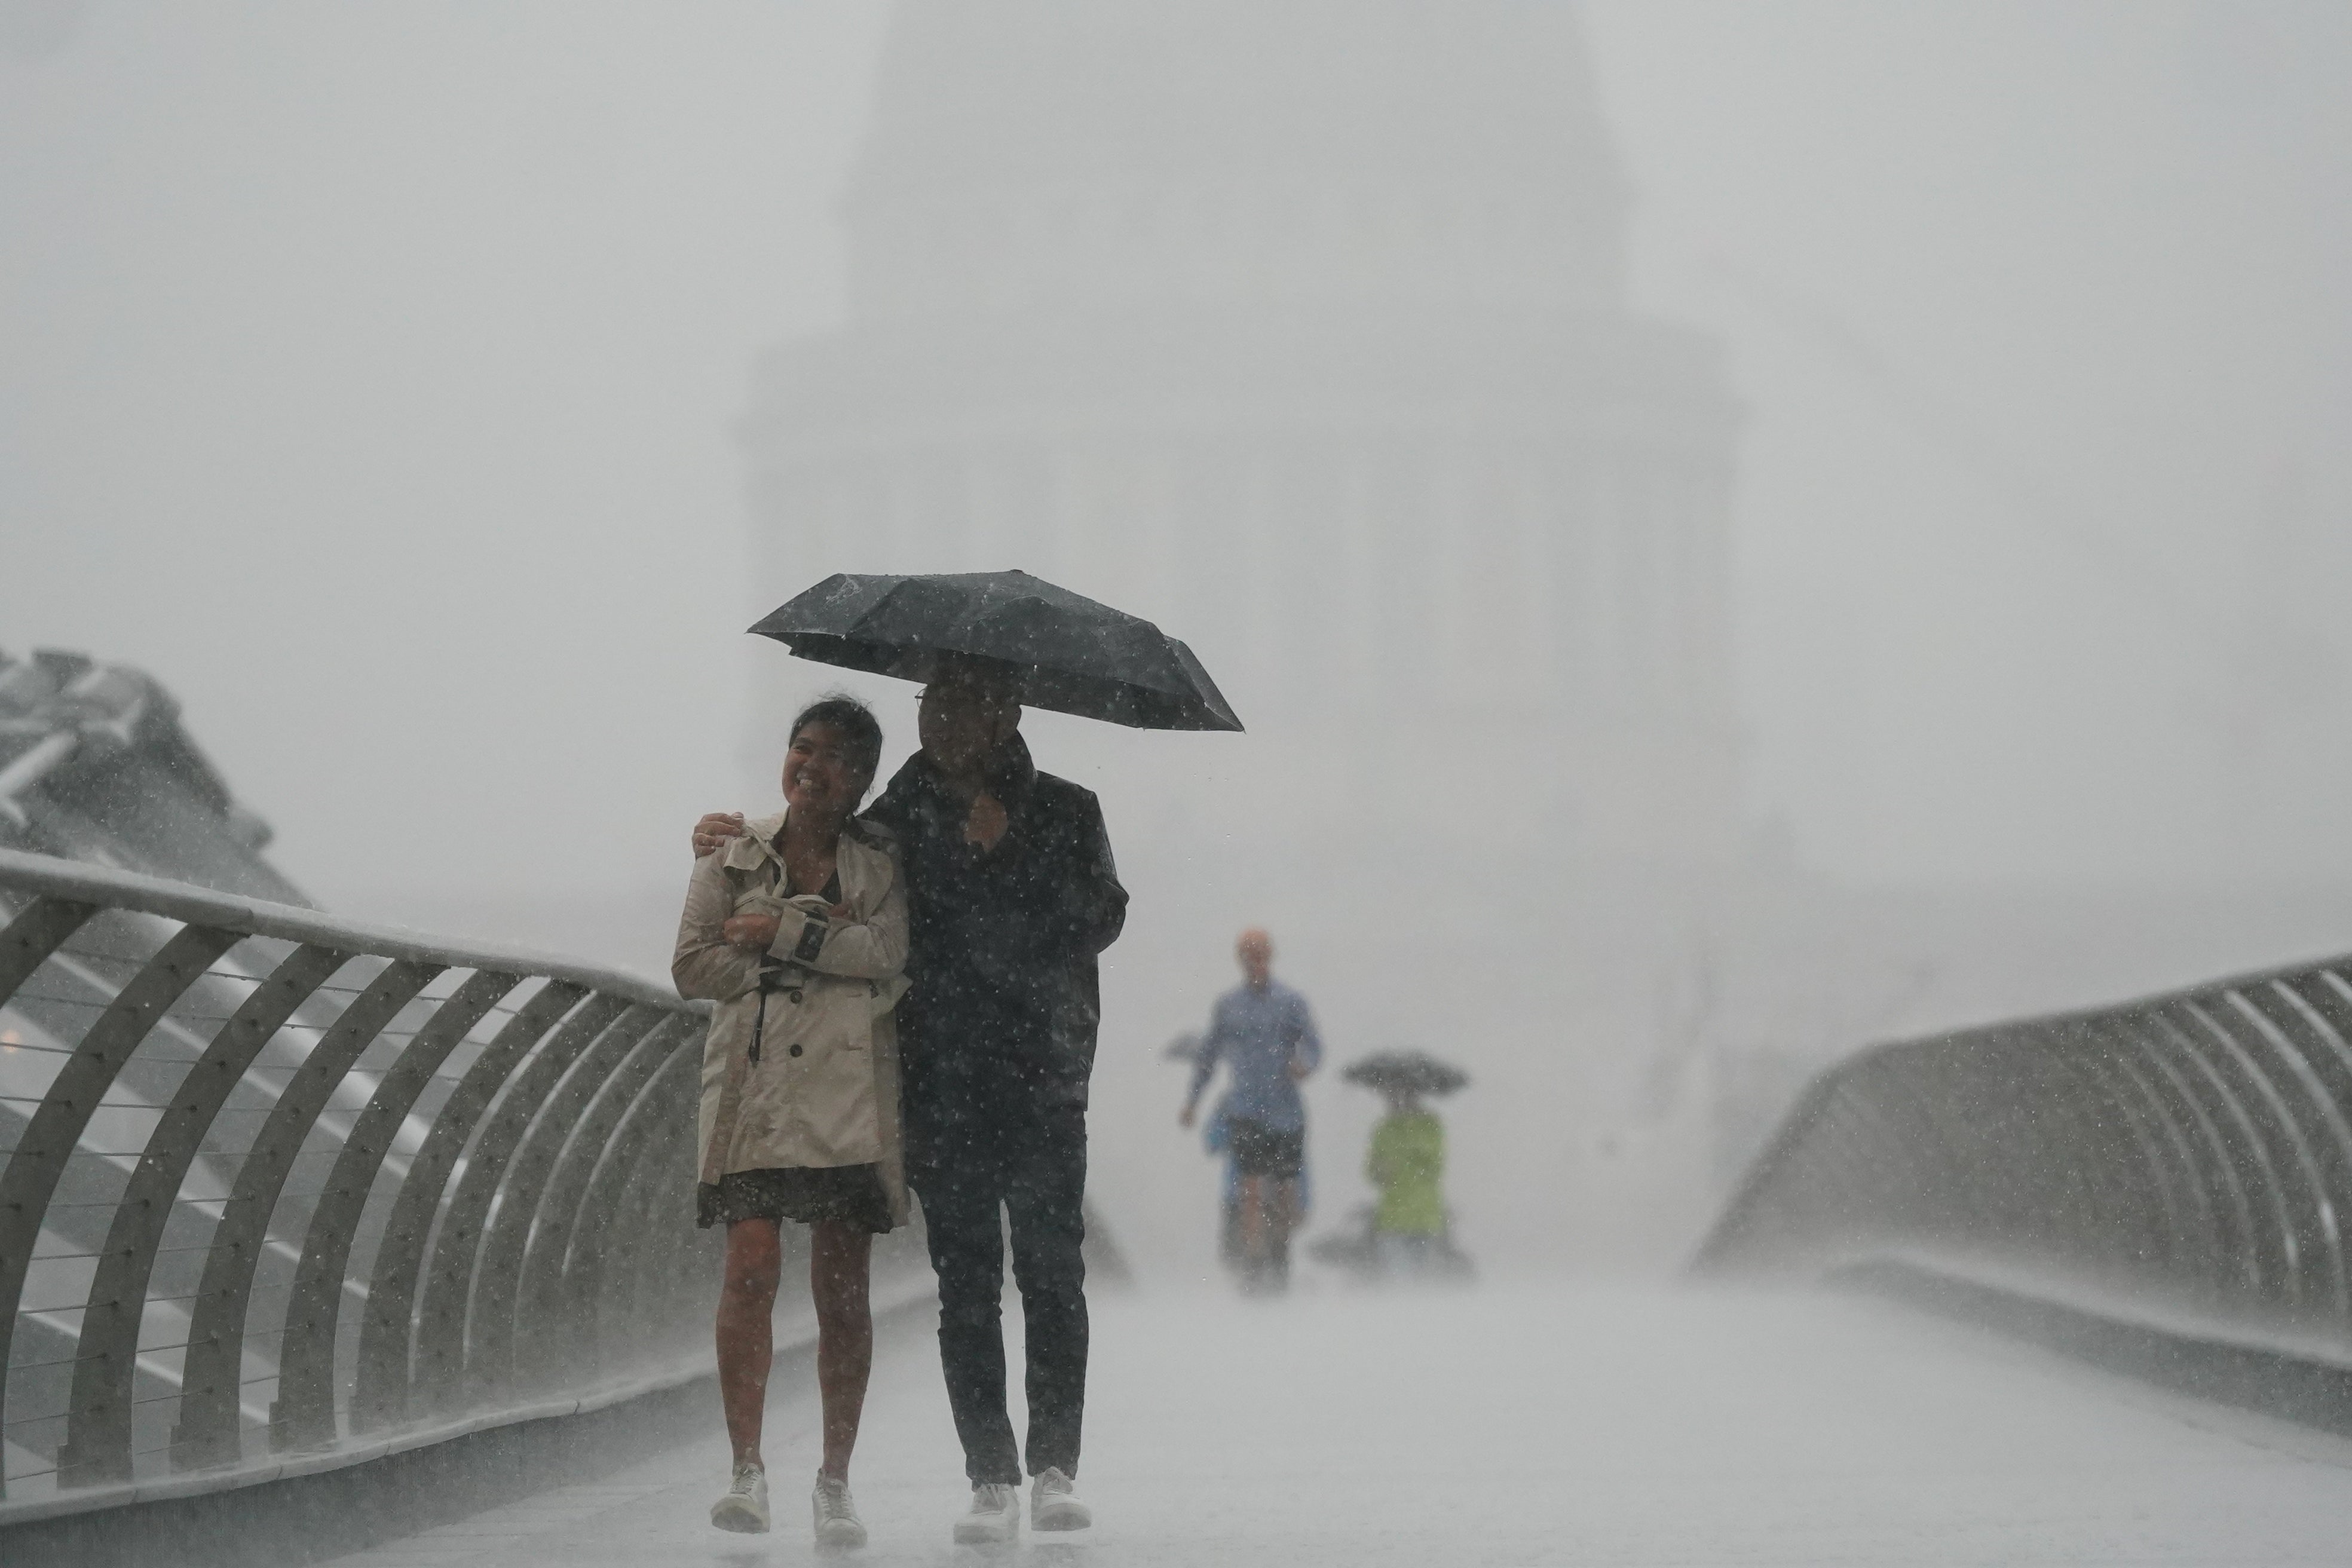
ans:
x=856 y=722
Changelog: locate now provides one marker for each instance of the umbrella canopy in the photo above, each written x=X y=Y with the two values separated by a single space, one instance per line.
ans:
x=1182 y=1049
x=1067 y=653
x=1415 y=1072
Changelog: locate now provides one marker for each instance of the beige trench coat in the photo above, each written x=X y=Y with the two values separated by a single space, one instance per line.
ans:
x=826 y=1088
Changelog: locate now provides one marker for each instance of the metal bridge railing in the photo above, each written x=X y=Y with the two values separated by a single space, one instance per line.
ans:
x=281 y=1191
x=2185 y=1161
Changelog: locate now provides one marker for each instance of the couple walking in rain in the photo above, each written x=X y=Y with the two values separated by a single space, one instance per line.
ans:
x=906 y=999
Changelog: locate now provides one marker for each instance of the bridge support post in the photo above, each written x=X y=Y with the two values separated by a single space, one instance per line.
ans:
x=97 y=1438
x=304 y=1412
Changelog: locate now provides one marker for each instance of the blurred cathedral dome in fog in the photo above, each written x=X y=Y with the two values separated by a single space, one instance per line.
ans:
x=1298 y=326
x=1305 y=154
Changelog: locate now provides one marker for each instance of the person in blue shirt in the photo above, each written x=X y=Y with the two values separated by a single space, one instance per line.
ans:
x=1263 y=1033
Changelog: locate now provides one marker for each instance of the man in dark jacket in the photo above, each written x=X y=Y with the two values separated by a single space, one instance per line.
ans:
x=1012 y=893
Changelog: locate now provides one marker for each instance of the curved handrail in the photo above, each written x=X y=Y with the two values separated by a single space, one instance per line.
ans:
x=189 y=905
x=2184 y=1159
x=251 y=1148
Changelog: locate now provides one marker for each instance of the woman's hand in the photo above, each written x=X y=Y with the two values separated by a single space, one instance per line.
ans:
x=755 y=934
x=715 y=829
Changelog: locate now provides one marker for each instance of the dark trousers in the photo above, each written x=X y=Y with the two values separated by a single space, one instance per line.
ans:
x=1035 y=1176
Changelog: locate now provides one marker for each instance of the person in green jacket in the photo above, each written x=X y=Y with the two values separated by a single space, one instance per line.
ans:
x=1406 y=1163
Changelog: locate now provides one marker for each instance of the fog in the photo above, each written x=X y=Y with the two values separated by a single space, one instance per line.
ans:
x=420 y=392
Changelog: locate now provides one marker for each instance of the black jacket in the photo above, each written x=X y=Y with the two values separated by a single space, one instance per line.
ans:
x=1005 y=1001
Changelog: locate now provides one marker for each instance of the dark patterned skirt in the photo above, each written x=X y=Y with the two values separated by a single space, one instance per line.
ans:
x=849 y=1195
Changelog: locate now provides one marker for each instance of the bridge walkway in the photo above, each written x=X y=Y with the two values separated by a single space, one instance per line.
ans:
x=1523 y=1425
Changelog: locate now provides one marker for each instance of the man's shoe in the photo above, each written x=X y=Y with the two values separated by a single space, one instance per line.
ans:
x=837 y=1524
x=745 y=1506
x=1054 y=1503
x=994 y=1517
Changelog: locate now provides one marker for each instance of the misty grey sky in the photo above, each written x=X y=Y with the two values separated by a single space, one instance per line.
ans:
x=367 y=373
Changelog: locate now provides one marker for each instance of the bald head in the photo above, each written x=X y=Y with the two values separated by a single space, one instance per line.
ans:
x=1256 y=950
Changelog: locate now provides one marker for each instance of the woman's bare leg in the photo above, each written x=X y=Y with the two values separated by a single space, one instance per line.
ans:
x=1281 y=1206
x=747 y=1311
x=839 y=1259
x=1253 y=1220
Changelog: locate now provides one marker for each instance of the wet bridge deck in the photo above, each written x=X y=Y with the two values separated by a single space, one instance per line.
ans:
x=1525 y=1425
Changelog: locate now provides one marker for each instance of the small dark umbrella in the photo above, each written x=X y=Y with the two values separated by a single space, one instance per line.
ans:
x=1068 y=653
x=1414 y=1072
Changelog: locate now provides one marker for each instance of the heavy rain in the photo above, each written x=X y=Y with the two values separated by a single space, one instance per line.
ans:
x=1506 y=779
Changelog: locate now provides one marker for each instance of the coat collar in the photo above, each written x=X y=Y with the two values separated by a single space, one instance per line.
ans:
x=1011 y=772
x=1008 y=775
x=861 y=861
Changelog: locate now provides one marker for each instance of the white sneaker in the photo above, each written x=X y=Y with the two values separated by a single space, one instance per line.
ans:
x=1054 y=1503
x=745 y=1506
x=994 y=1517
x=837 y=1524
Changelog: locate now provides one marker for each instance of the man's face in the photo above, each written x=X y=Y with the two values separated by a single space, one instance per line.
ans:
x=962 y=722
x=1256 y=950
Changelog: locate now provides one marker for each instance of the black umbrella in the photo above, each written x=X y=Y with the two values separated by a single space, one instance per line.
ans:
x=1182 y=1049
x=1066 y=652
x=1415 y=1072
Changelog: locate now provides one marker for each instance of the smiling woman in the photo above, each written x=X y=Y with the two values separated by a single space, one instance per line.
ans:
x=797 y=929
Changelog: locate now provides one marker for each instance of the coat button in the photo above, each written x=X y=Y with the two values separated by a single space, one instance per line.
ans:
x=796 y=1050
